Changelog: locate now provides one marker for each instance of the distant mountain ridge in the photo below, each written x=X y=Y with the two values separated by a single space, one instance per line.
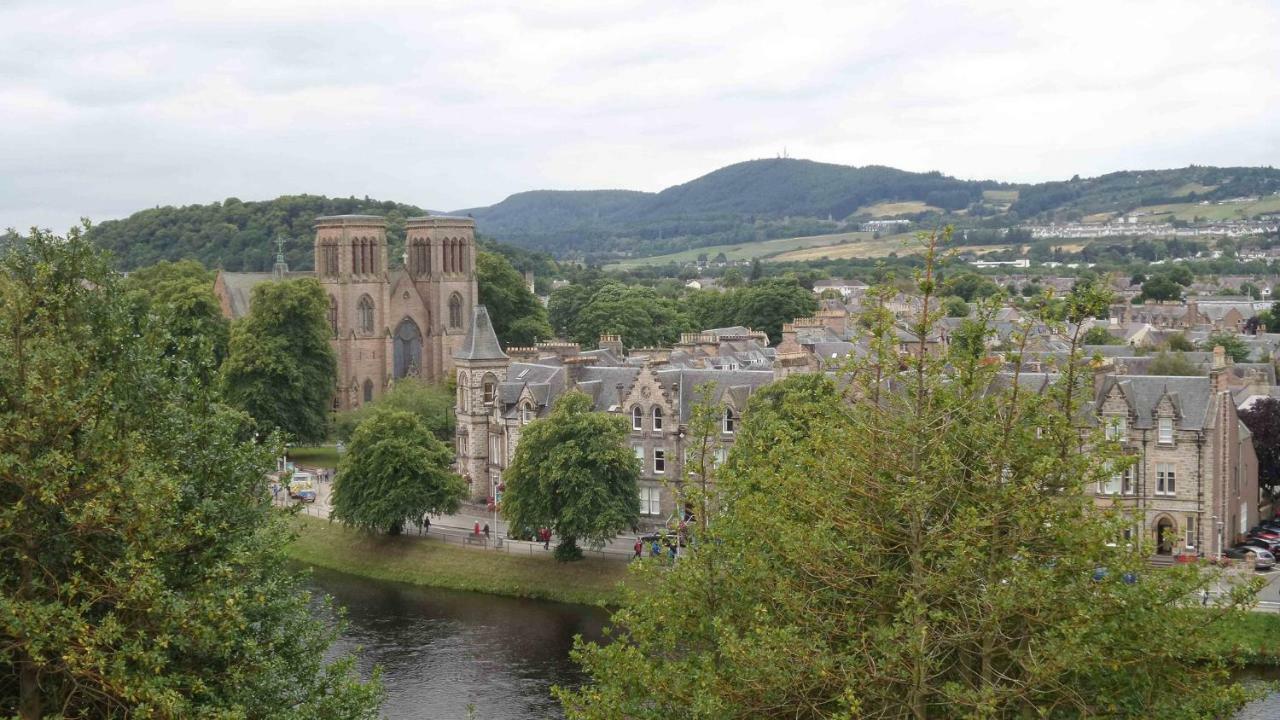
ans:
x=740 y=203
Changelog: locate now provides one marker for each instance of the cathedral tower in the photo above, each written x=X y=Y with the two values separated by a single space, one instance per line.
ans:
x=481 y=369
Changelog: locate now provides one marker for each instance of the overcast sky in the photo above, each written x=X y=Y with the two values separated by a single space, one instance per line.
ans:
x=108 y=108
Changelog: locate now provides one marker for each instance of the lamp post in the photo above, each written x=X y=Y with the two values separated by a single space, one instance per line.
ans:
x=1218 y=525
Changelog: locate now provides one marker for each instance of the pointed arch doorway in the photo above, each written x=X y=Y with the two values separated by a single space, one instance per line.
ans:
x=408 y=351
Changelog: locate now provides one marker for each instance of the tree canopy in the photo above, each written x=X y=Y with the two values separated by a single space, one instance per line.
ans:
x=926 y=548
x=518 y=316
x=431 y=403
x=574 y=473
x=281 y=368
x=1231 y=343
x=1262 y=417
x=143 y=570
x=179 y=297
x=395 y=472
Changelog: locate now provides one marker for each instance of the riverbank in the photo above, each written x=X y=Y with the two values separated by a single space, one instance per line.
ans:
x=419 y=561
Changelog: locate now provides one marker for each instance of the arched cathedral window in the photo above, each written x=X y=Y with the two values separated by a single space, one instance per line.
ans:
x=366 y=314
x=333 y=315
x=455 y=311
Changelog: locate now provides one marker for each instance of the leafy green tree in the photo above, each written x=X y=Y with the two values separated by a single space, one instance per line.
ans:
x=395 y=471
x=574 y=473
x=281 y=369
x=1161 y=288
x=1172 y=364
x=180 y=298
x=1179 y=343
x=1098 y=335
x=144 y=572
x=431 y=403
x=955 y=307
x=828 y=586
x=638 y=314
x=767 y=304
x=565 y=305
x=732 y=278
x=518 y=317
x=1231 y=343
x=971 y=286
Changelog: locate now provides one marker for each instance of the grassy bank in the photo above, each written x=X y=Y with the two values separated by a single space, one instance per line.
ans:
x=1255 y=638
x=325 y=456
x=419 y=561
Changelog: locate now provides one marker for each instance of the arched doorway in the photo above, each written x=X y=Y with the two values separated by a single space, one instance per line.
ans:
x=408 y=349
x=1164 y=536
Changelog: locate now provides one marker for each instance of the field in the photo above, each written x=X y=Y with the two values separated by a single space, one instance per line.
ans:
x=904 y=244
x=1212 y=212
x=1000 y=196
x=744 y=251
x=420 y=561
x=893 y=209
x=1193 y=188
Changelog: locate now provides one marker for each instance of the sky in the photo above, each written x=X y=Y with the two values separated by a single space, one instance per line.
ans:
x=107 y=108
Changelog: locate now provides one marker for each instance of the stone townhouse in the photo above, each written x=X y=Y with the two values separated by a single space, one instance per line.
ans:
x=387 y=323
x=497 y=397
x=1194 y=481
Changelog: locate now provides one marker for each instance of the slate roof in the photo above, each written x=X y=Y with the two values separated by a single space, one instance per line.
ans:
x=1190 y=395
x=239 y=287
x=481 y=342
x=737 y=385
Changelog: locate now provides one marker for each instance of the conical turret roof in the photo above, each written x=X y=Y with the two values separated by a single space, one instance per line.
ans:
x=481 y=342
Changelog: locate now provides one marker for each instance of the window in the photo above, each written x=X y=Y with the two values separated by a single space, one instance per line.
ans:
x=337 y=403
x=1126 y=481
x=659 y=462
x=657 y=418
x=1117 y=428
x=455 y=311
x=365 y=311
x=1191 y=531
x=639 y=451
x=1166 y=431
x=333 y=315
x=490 y=389
x=1244 y=518
x=1166 y=479
x=650 y=501
x=729 y=420
x=526 y=414
x=368 y=391
x=637 y=419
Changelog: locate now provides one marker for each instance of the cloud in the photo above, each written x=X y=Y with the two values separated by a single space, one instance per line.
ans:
x=456 y=104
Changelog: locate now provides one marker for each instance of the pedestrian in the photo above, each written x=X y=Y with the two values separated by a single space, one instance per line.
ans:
x=546 y=538
x=671 y=552
x=486 y=531
x=638 y=547
x=475 y=530
x=426 y=524
x=655 y=550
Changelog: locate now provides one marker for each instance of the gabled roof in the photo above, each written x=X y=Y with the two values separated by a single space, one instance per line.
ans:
x=481 y=342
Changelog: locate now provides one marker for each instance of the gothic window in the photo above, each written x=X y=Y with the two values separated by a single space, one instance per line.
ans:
x=730 y=420
x=407 y=349
x=657 y=418
x=368 y=391
x=462 y=392
x=526 y=413
x=490 y=389
x=355 y=256
x=366 y=314
x=637 y=419
x=333 y=315
x=455 y=311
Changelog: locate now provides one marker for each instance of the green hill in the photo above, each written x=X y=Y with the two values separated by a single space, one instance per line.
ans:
x=1121 y=192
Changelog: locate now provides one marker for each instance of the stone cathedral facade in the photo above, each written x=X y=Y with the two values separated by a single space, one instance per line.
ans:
x=387 y=323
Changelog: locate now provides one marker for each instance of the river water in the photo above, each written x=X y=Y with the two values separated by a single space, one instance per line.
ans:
x=442 y=651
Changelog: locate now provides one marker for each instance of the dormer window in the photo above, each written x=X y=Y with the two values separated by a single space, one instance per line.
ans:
x=526 y=413
x=730 y=421
x=1165 y=432
x=1117 y=427
x=657 y=419
x=637 y=419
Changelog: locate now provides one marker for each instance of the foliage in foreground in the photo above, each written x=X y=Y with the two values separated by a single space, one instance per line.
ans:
x=281 y=369
x=142 y=571
x=915 y=545
x=431 y=403
x=395 y=472
x=574 y=473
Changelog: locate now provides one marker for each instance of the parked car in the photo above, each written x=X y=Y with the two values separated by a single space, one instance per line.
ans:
x=1262 y=559
x=302 y=487
x=1268 y=545
x=1264 y=533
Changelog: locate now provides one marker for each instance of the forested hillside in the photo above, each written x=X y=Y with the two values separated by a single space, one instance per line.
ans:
x=1123 y=191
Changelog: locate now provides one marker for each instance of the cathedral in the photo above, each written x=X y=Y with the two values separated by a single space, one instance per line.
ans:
x=386 y=323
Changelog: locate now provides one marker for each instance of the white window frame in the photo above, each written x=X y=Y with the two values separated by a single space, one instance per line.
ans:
x=650 y=501
x=1192 y=520
x=656 y=416
x=728 y=422
x=526 y=413
x=659 y=461
x=1164 y=431
x=1117 y=427
x=1127 y=485
x=639 y=451
x=637 y=419
x=1166 y=479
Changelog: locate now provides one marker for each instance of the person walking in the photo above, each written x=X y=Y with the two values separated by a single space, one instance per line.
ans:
x=655 y=550
x=546 y=538
x=638 y=547
x=475 y=530
x=486 y=532
x=426 y=524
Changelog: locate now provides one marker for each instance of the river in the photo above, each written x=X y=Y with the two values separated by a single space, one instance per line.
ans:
x=442 y=650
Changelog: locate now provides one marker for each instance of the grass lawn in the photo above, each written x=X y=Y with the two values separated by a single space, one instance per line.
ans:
x=419 y=561
x=325 y=456
x=1255 y=637
x=743 y=250
x=1213 y=211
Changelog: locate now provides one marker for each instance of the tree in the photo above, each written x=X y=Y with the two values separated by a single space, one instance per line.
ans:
x=1160 y=288
x=732 y=278
x=518 y=316
x=281 y=369
x=970 y=286
x=1098 y=335
x=180 y=298
x=1262 y=417
x=574 y=473
x=638 y=314
x=828 y=587
x=143 y=572
x=395 y=471
x=1171 y=364
x=431 y=403
x=1178 y=342
x=757 y=270
x=1231 y=343
x=955 y=307
x=767 y=304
